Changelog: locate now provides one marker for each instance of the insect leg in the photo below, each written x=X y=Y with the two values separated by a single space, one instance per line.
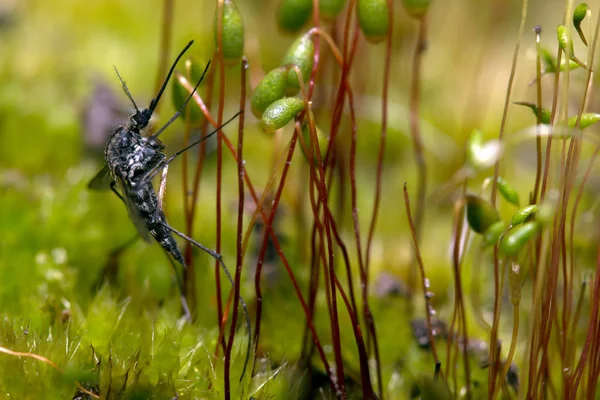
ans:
x=109 y=271
x=184 y=303
x=163 y=187
x=219 y=258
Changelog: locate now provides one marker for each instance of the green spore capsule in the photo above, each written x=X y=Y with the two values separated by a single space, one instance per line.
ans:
x=416 y=8
x=507 y=191
x=330 y=9
x=523 y=215
x=578 y=16
x=587 y=119
x=232 y=34
x=373 y=19
x=300 y=54
x=580 y=13
x=515 y=239
x=268 y=90
x=280 y=112
x=293 y=14
x=493 y=233
x=481 y=214
x=321 y=138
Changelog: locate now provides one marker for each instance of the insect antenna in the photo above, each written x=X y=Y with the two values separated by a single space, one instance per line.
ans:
x=178 y=113
x=155 y=101
x=168 y=161
x=126 y=90
x=219 y=258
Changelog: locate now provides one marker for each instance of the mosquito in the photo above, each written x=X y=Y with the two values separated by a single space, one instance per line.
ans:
x=132 y=160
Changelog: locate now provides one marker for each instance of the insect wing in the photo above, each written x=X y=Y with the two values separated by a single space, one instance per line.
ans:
x=102 y=180
x=134 y=213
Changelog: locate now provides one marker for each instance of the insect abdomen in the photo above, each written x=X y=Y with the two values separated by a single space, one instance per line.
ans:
x=146 y=201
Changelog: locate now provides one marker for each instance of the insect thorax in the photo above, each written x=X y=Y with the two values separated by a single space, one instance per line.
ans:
x=130 y=155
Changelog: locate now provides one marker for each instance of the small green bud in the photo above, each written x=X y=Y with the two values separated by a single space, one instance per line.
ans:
x=587 y=119
x=416 y=8
x=515 y=239
x=524 y=214
x=268 y=90
x=545 y=114
x=292 y=14
x=322 y=139
x=494 y=233
x=280 y=112
x=300 y=54
x=232 y=34
x=373 y=19
x=507 y=191
x=481 y=214
x=329 y=9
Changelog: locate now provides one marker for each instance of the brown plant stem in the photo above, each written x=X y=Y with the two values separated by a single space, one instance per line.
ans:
x=424 y=280
x=166 y=33
x=378 y=188
x=415 y=130
x=493 y=362
x=269 y=230
x=221 y=69
x=240 y=221
x=538 y=138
